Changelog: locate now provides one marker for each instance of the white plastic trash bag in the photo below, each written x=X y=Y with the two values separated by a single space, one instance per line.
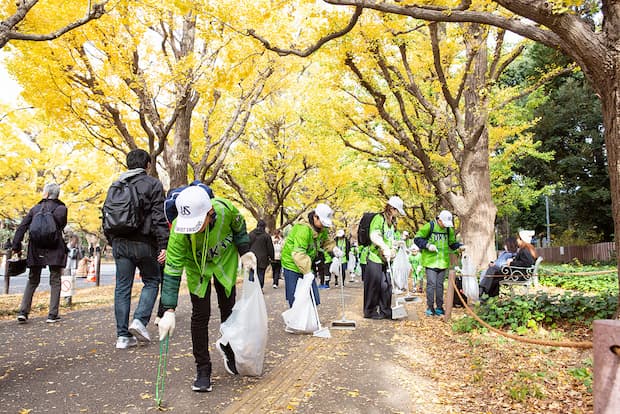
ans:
x=301 y=318
x=246 y=329
x=335 y=267
x=470 y=280
x=400 y=269
x=351 y=263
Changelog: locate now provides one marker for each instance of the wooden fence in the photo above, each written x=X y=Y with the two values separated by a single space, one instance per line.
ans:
x=600 y=252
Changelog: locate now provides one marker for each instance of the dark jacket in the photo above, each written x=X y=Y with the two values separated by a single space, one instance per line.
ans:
x=262 y=246
x=40 y=256
x=523 y=258
x=155 y=230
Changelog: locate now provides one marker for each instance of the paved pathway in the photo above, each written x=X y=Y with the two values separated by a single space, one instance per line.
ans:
x=73 y=366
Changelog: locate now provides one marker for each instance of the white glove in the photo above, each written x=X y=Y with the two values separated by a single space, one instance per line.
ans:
x=431 y=247
x=248 y=261
x=337 y=252
x=387 y=253
x=309 y=276
x=166 y=324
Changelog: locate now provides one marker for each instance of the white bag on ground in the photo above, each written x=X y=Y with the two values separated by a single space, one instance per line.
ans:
x=400 y=269
x=246 y=329
x=301 y=317
x=470 y=280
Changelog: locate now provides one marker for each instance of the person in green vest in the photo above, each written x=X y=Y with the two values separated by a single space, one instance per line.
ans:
x=436 y=240
x=205 y=241
x=377 y=286
x=345 y=246
x=363 y=251
x=417 y=270
x=301 y=247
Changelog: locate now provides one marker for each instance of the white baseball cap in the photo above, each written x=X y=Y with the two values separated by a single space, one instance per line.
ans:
x=526 y=235
x=193 y=204
x=405 y=234
x=397 y=203
x=325 y=213
x=340 y=233
x=446 y=218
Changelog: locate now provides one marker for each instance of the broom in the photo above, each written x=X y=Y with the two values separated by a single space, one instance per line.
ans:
x=343 y=323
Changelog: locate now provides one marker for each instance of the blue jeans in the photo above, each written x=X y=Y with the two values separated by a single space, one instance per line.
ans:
x=290 y=283
x=128 y=255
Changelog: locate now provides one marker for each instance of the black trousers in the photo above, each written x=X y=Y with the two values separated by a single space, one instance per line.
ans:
x=377 y=292
x=201 y=312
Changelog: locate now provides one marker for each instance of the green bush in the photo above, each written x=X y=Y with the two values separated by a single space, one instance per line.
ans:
x=522 y=313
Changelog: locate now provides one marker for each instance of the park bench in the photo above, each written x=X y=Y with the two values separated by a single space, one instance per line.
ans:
x=520 y=276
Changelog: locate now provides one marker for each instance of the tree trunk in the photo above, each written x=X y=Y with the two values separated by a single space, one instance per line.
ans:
x=477 y=211
x=610 y=99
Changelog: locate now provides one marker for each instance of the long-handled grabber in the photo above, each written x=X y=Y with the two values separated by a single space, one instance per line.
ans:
x=162 y=367
x=343 y=323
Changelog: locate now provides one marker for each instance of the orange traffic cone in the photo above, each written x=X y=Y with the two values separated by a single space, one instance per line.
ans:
x=92 y=274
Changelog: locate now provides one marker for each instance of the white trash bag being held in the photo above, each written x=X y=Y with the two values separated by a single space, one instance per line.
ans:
x=301 y=318
x=334 y=267
x=246 y=329
x=470 y=280
x=400 y=269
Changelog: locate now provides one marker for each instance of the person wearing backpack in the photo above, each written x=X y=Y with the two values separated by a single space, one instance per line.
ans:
x=208 y=240
x=135 y=227
x=436 y=240
x=377 y=285
x=46 y=247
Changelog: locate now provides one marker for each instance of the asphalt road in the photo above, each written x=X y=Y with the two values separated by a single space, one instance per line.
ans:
x=18 y=283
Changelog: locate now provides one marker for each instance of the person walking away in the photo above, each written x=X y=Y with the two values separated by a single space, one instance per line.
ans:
x=344 y=246
x=377 y=285
x=45 y=248
x=206 y=240
x=436 y=240
x=74 y=255
x=490 y=285
x=139 y=244
x=262 y=247
x=276 y=263
x=301 y=247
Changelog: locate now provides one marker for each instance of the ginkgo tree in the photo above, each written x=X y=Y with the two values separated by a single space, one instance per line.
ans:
x=36 y=153
x=39 y=20
x=429 y=92
x=586 y=31
x=174 y=81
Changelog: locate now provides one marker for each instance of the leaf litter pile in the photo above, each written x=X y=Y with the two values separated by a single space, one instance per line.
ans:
x=488 y=373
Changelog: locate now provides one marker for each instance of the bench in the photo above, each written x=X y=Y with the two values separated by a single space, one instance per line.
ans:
x=520 y=276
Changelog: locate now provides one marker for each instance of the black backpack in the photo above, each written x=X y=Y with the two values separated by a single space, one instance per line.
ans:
x=122 y=209
x=363 y=229
x=43 y=229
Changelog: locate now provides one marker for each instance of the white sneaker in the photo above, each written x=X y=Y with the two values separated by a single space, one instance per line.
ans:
x=138 y=330
x=124 y=342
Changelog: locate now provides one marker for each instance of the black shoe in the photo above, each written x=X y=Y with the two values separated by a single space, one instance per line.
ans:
x=52 y=319
x=202 y=382
x=21 y=318
x=229 y=359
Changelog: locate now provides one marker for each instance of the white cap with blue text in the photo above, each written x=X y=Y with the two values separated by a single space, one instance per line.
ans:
x=193 y=204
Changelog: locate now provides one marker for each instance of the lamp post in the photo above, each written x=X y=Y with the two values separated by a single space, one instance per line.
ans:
x=548 y=224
